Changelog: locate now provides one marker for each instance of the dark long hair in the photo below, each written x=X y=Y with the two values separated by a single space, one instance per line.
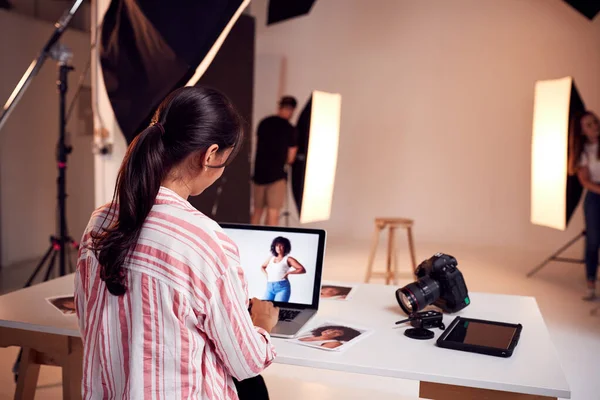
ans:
x=348 y=335
x=189 y=120
x=577 y=141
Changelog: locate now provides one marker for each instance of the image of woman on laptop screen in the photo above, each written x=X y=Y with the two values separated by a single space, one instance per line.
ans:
x=277 y=268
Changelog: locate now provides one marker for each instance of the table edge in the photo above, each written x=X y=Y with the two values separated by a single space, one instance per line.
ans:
x=39 y=328
x=415 y=376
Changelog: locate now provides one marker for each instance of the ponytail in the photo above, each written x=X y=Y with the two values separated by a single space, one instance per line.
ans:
x=138 y=183
x=188 y=121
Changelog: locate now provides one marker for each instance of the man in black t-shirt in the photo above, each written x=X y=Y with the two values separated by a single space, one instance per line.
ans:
x=275 y=149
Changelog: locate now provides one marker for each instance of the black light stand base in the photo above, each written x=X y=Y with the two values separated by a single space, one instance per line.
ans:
x=51 y=253
x=555 y=256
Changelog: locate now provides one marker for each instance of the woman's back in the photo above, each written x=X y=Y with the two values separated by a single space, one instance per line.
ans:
x=182 y=328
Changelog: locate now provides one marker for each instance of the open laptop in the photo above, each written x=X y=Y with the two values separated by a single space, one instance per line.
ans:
x=267 y=255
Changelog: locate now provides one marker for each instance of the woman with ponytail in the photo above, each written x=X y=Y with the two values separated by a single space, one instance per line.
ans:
x=160 y=296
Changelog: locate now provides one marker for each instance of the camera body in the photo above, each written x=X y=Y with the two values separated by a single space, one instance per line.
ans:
x=443 y=269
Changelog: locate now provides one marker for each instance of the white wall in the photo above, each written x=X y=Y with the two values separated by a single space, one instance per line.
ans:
x=28 y=141
x=437 y=107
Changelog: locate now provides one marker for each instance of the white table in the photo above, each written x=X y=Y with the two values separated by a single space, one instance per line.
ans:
x=45 y=335
x=534 y=369
x=533 y=372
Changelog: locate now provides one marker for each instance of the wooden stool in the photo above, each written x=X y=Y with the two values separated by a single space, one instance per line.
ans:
x=392 y=224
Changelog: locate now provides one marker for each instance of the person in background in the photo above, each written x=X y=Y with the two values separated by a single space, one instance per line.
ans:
x=160 y=296
x=585 y=162
x=276 y=149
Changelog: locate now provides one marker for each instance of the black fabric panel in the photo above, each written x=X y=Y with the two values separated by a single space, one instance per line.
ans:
x=281 y=10
x=574 y=188
x=148 y=48
x=299 y=166
x=232 y=72
x=589 y=8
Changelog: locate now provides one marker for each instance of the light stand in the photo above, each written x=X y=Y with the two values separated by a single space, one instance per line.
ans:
x=63 y=56
x=555 y=256
x=58 y=244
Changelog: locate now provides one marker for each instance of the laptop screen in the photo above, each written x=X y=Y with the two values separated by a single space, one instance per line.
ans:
x=283 y=265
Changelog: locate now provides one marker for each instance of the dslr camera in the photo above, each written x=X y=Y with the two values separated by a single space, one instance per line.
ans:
x=439 y=283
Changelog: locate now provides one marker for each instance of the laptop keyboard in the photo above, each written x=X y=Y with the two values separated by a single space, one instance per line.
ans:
x=288 y=315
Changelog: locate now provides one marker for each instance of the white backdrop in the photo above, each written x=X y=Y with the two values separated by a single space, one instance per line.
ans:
x=255 y=249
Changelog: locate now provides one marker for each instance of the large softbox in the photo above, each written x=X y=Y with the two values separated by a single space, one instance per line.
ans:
x=554 y=193
x=313 y=172
x=151 y=47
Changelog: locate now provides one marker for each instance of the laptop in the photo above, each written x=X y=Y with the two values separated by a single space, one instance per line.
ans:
x=282 y=265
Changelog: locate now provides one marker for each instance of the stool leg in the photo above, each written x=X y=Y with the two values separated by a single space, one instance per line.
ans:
x=390 y=253
x=394 y=256
x=411 y=248
x=374 y=245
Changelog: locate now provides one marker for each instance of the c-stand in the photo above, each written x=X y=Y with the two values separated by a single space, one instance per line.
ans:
x=59 y=243
x=60 y=53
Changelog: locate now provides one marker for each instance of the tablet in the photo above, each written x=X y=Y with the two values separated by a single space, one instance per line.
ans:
x=479 y=336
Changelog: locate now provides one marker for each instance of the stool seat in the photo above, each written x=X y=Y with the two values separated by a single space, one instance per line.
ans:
x=399 y=222
x=391 y=223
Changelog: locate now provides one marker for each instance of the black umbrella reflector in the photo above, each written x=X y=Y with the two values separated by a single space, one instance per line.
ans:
x=313 y=172
x=589 y=8
x=281 y=10
x=149 y=48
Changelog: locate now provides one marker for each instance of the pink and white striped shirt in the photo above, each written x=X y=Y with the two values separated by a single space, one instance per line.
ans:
x=182 y=330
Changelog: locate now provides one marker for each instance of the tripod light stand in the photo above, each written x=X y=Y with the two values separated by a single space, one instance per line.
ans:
x=52 y=49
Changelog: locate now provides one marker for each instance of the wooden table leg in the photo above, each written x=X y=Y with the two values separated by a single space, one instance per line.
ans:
x=72 y=371
x=29 y=371
x=374 y=246
x=439 y=391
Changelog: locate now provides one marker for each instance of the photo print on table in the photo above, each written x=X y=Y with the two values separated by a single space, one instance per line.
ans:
x=65 y=304
x=334 y=291
x=332 y=336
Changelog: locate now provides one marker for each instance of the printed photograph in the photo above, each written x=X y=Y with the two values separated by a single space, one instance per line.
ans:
x=336 y=292
x=332 y=336
x=64 y=304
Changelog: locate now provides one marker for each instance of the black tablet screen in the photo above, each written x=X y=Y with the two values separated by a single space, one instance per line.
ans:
x=482 y=334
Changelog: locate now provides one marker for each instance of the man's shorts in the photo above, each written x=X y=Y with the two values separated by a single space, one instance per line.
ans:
x=271 y=195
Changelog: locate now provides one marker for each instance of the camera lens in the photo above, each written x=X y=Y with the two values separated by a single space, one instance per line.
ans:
x=417 y=295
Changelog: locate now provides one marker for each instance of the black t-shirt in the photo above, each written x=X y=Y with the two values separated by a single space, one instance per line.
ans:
x=275 y=136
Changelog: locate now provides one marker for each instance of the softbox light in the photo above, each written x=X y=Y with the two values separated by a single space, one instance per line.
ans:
x=150 y=48
x=313 y=173
x=554 y=194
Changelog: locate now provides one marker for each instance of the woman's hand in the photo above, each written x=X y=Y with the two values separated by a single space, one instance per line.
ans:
x=583 y=173
x=264 y=314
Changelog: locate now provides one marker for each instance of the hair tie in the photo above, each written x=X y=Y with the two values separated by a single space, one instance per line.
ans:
x=161 y=127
